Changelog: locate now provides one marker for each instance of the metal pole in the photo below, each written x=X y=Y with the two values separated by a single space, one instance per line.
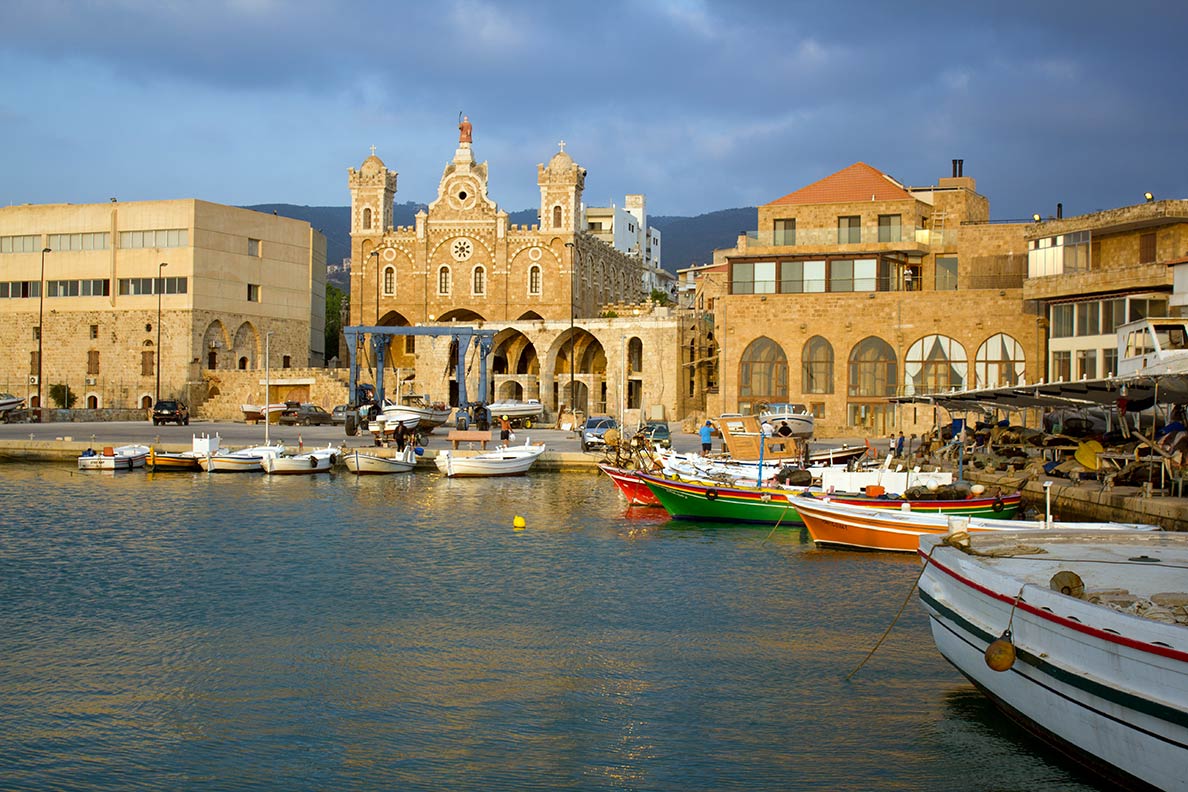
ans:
x=160 y=286
x=377 y=285
x=572 y=362
x=267 y=385
x=40 y=329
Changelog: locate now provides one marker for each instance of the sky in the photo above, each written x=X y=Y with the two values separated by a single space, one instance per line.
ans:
x=699 y=105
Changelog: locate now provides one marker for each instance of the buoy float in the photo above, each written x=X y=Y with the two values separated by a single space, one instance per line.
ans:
x=518 y=523
x=1000 y=654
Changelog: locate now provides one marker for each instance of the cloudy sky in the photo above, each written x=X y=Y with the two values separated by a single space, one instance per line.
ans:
x=700 y=105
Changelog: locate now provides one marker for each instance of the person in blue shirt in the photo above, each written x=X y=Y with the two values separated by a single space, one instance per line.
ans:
x=707 y=437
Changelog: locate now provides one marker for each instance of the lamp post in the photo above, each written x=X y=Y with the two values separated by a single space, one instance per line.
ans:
x=159 y=286
x=40 y=327
x=267 y=384
x=377 y=285
x=572 y=362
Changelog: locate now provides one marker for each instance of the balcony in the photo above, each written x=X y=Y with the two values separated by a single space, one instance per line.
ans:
x=867 y=238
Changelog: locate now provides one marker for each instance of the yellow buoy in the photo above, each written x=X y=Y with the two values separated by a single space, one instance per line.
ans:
x=1000 y=654
x=518 y=523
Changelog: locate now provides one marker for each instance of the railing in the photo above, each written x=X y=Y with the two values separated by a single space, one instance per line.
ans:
x=866 y=235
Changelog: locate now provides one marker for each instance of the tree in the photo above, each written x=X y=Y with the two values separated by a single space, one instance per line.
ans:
x=62 y=396
x=660 y=297
x=335 y=297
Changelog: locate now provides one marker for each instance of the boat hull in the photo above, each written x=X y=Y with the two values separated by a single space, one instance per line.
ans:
x=362 y=464
x=299 y=464
x=633 y=488
x=167 y=461
x=126 y=457
x=500 y=462
x=1111 y=686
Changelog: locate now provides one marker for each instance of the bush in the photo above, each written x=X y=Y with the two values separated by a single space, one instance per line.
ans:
x=62 y=396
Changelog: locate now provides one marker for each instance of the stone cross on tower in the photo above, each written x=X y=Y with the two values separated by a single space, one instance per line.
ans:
x=561 y=144
x=373 y=151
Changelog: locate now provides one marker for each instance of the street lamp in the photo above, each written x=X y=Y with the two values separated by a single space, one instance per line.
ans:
x=267 y=383
x=572 y=362
x=40 y=327
x=377 y=284
x=160 y=286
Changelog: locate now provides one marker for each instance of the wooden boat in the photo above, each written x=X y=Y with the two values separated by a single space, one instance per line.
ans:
x=831 y=522
x=502 y=461
x=632 y=486
x=691 y=500
x=363 y=464
x=245 y=460
x=1082 y=637
x=320 y=460
x=797 y=416
x=183 y=460
x=125 y=457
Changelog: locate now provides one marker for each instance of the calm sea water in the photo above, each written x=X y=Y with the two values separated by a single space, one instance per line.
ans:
x=238 y=632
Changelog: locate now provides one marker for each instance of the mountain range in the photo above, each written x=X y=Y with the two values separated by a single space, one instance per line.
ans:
x=684 y=241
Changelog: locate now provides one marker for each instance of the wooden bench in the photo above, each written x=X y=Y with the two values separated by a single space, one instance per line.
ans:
x=468 y=436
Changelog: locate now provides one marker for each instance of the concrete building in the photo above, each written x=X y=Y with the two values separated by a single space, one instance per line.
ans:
x=573 y=328
x=857 y=287
x=1091 y=273
x=119 y=300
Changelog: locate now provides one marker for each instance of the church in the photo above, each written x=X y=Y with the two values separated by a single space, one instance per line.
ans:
x=573 y=327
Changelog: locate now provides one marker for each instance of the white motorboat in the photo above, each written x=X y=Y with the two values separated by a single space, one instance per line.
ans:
x=800 y=421
x=245 y=460
x=1080 y=636
x=8 y=402
x=363 y=463
x=516 y=409
x=320 y=460
x=253 y=413
x=125 y=457
x=502 y=461
x=430 y=415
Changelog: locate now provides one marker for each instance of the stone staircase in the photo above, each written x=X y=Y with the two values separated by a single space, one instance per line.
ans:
x=229 y=389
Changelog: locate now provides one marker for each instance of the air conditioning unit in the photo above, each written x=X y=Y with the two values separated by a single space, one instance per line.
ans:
x=32 y=379
x=92 y=380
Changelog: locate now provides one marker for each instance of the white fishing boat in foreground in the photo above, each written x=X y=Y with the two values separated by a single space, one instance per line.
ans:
x=503 y=461
x=125 y=457
x=362 y=463
x=245 y=460
x=1088 y=631
x=320 y=460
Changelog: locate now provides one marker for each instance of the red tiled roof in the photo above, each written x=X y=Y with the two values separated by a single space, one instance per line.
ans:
x=859 y=182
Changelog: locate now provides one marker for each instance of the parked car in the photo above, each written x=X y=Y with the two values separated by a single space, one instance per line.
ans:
x=593 y=431
x=658 y=433
x=338 y=415
x=171 y=411
x=305 y=415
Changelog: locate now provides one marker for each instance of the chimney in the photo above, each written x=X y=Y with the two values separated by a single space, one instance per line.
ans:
x=961 y=167
x=954 y=169
x=1059 y=211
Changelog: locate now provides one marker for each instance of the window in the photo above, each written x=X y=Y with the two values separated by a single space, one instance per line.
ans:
x=859 y=275
x=94 y=331
x=26 y=243
x=74 y=288
x=753 y=277
x=253 y=292
x=534 y=280
x=367 y=217
x=66 y=242
x=1086 y=363
x=946 y=273
x=159 y=238
x=999 y=362
x=410 y=345
x=286 y=361
x=1109 y=361
x=784 y=232
x=763 y=374
x=1141 y=309
x=389 y=281
x=139 y=286
x=1147 y=248
x=849 y=229
x=1089 y=319
x=556 y=217
x=1062 y=321
x=147 y=364
x=1076 y=252
x=253 y=247
x=873 y=371
x=443 y=280
x=890 y=228
x=36 y=333
x=18 y=289
x=934 y=364
x=93 y=361
x=34 y=361
x=817 y=366
x=1061 y=366
x=797 y=277
x=1113 y=315
x=479 y=281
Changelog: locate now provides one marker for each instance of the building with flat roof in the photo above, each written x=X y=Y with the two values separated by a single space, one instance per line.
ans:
x=118 y=301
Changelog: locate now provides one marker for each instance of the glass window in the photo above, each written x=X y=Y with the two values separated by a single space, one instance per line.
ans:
x=849 y=229
x=1062 y=321
x=873 y=370
x=1061 y=366
x=934 y=364
x=253 y=247
x=785 y=232
x=999 y=362
x=890 y=228
x=1113 y=315
x=443 y=280
x=946 y=273
x=1142 y=309
x=763 y=373
x=534 y=279
x=841 y=276
x=1086 y=363
x=389 y=281
x=817 y=366
x=1147 y=248
x=1089 y=319
x=753 y=277
x=1109 y=361
x=253 y=292
x=480 y=281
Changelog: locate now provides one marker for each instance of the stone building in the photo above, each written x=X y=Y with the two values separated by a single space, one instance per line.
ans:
x=569 y=308
x=1092 y=273
x=857 y=287
x=117 y=300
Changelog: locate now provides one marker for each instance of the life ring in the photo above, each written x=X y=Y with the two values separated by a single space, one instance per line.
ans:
x=998 y=505
x=711 y=494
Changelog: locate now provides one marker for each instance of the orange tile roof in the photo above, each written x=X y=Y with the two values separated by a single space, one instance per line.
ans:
x=859 y=182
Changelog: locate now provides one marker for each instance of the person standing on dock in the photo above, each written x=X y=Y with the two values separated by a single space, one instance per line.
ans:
x=504 y=429
x=707 y=437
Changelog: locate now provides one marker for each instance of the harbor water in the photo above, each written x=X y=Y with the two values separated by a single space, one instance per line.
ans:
x=241 y=632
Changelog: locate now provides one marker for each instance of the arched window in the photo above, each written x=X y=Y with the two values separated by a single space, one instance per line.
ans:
x=534 y=279
x=479 y=281
x=635 y=355
x=367 y=217
x=243 y=361
x=999 y=362
x=817 y=366
x=873 y=369
x=443 y=280
x=762 y=374
x=556 y=217
x=92 y=402
x=389 y=281
x=934 y=364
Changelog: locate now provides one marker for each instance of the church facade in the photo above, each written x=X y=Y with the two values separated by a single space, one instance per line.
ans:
x=553 y=292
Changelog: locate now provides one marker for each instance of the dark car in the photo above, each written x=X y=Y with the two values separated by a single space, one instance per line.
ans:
x=338 y=414
x=170 y=411
x=593 y=431
x=658 y=433
x=304 y=415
